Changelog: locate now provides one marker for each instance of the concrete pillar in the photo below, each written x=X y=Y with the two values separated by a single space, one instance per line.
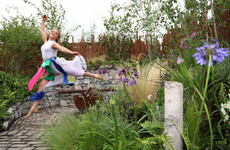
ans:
x=174 y=112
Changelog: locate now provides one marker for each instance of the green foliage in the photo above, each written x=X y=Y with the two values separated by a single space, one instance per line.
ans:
x=137 y=16
x=193 y=77
x=23 y=41
x=94 y=65
x=52 y=10
x=13 y=89
x=117 y=47
x=223 y=69
x=63 y=133
x=104 y=126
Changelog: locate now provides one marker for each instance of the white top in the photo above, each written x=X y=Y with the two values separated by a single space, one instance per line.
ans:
x=47 y=51
x=76 y=67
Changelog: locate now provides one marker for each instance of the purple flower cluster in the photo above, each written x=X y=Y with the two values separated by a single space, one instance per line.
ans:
x=184 y=41
x=164 y=77
x=102 y=72
x=128 y=75
x=218 y=54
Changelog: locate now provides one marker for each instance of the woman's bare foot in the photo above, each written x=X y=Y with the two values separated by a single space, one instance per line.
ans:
x=36 y=110
x=31 y=112
x=99 y=77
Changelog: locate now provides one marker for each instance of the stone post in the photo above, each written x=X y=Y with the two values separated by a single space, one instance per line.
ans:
x=174 y=113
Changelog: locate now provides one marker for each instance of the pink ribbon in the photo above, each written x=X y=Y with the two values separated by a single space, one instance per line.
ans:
x=35 y=78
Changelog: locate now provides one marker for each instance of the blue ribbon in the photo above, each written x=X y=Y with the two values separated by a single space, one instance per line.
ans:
x=37 y=96
x=59 y=68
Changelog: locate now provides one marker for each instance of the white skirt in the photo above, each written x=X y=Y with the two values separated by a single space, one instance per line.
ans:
x=76 y=68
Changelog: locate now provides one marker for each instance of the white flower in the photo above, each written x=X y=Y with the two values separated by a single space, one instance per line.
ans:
x=149 y=97
x=227 y=106
x=226 y=118
x=222 y=105
x=223 y=111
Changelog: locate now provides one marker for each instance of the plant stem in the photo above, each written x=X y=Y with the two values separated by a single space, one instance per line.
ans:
x=115 y=124
x=135 y=114
x=204 y=105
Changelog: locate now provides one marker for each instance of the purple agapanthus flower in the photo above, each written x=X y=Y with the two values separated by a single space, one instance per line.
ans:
x=102 y=72
x=218 y=54
x=134 y=81
x=120 y=73
x=128 y=75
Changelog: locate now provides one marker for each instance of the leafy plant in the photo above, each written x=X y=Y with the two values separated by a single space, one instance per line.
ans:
x=202 y=85
x=23 y=40
x=117 y=47
x=52 y=10
x=13 y=89
x=103 y=126
x=157 y=139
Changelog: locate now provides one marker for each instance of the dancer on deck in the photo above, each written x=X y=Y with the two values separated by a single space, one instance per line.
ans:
x=54 y=68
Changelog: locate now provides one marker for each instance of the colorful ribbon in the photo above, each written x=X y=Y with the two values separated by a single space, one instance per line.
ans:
x=59 y=68
x=35 y=78
x=46 y=67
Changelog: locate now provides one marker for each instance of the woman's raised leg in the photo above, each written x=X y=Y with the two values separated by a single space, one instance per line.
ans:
x=99 y=77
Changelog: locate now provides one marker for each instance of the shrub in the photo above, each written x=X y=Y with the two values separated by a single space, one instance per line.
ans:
x=13 y=89
x=22 y=44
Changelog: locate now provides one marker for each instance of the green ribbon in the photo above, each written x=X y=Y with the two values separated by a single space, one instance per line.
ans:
x=46 y=66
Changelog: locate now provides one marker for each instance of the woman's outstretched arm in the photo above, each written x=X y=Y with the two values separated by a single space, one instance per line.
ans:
x=63 y=49
x=43 y=30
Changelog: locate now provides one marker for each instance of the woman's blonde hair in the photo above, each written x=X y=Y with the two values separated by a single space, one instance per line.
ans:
x=58 y=40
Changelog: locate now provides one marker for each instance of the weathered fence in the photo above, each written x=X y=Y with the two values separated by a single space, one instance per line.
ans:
x=223 y=26
x=172 y=39
x=116 y=45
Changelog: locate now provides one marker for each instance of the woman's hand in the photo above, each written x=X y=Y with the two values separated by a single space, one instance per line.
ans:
x=44 y=17
x=76 y=53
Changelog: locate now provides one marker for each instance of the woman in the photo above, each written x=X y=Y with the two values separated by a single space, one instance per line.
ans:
x=54 y=68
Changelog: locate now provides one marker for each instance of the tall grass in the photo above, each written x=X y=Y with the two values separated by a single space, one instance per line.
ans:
x=106 y=126
x=148 y=82
x=62 y=134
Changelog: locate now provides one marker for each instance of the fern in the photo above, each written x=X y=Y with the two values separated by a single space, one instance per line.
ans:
x=156 y=140
x=184 y=136
x=148 y=141
x=167 y=141
x=149 y=125
x=3 y=110
x=154 y=128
